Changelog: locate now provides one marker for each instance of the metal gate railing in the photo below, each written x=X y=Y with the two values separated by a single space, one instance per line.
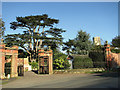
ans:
x=20 y=70
x=43 y=65
x=7 y=68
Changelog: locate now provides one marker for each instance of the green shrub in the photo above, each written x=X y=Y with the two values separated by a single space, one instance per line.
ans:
x=98 y=58
x=66 y=64
x=60 y=61
x=82 y=62
x=59 y=55
x=26 y=70
x=8 y=56
x=83 y=52
x=115 y=50
x=22 y=54
x=34 y=65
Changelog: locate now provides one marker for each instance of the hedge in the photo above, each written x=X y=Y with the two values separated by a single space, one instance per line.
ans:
x=34 y=65
x=115 y=50
x=98 y=58
x=82 y=62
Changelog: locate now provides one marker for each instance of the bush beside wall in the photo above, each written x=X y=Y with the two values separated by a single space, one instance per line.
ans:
x=115 y=50
x=34 y=65
x=98 y=58
x=82 y=62
x=60 y=61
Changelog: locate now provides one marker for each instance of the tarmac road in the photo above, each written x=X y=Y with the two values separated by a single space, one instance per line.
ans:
x=32 y=80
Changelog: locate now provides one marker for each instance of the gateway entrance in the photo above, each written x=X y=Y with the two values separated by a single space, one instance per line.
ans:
x=45 y=61
x=44 y=65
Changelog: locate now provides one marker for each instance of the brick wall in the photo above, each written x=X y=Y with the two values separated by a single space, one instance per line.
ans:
x=115 y=59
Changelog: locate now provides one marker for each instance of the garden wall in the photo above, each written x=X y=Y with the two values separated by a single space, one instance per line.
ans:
x=115 y=60
x=22 y=62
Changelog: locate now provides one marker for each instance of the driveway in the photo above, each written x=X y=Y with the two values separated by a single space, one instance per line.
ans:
x=32 y=80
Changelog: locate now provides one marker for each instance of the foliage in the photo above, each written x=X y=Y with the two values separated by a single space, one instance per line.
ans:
x=7 y=57
x=98 y=58
x=52 y=43
x=8 y=64
x=26 y=70
x=60 y=61
x=115 y=50
x=2 y=28
x=59 y=55
x=82 y=62
x=83 y=52
x=116 y=41
x=39 y=30
x=98 y=47
x=34 y=65
x=22 y=53
x=69 y=46
x=82 y=41
x=80 y=45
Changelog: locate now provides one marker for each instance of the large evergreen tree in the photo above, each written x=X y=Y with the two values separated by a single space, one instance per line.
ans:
x=80 y=45
x=37 y=30
x=82 y=42
x=69 y=47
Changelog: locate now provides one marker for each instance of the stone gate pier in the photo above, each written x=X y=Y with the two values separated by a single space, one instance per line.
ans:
x=13 y=51
x=112 y=59
x=45 y=61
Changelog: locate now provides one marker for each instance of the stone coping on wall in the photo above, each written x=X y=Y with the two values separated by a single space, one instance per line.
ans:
x=11 y=48
x=87 y=70
x=44 y=52
x=44 y=49
x=3 y=46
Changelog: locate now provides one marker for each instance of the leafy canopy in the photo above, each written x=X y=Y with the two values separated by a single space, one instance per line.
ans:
x=80 y=45
x=39 y=30
x=116 y=41
x=2 y=28
x=82 y=41
x=69 y=46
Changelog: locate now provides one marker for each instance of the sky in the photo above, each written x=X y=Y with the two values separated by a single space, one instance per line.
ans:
x=96 y=18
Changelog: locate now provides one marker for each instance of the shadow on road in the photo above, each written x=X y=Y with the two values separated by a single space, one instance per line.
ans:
x=35 y=71
x=109 y=74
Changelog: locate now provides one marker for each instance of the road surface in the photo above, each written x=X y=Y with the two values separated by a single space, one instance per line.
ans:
x=32 y=80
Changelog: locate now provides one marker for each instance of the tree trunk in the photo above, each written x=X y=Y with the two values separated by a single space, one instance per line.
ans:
x=37 y=39
x=40 y=43
x=34 y=46
x=30 y=58
x=41 y=40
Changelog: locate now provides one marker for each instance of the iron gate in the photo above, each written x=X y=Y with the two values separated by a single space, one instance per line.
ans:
x=43 y=65
x=20 y=70
x=7 y=68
